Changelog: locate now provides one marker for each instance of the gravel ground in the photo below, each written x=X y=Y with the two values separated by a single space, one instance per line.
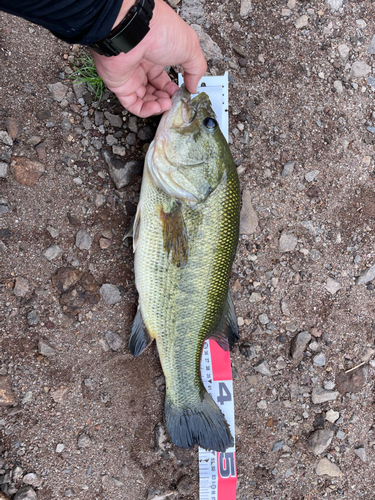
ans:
x=81 y=418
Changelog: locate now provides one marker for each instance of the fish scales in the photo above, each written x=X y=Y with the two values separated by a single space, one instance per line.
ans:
x=182 y=304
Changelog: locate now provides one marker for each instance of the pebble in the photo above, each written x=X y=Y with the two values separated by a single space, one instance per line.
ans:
x=319 y=359
x=133 y=124
x=58 y=91
x=352 y=381
x=287 y=242
x=240 y=321
x=33 y=318
x=211 y=50
x=83 y=240
x=192 y=10
x=291 y=4
x=262 y=404
x=277 y=446
x=4 y=209
x=246 y=8
x=83 y=441
x=332 y=416
x=286 y=12
x=14 y=127
x=110 y=294
x=335 y=4
x=118 y=150
x=285 y=307
x=113 y=340
x=45 y=349
x=288 y=168
x=299 y=344
x=302 y=22
x=34 y=140
x=320 y=395
x=248 y=216
x=184 y=485
x=53 y=232
x=32 y=479
x=66 y=124
x=343 y=50
x=104 y=243
x=326 y=467
x=59 y=396
x=146 y=134
x=27 y=172
x=5 y=138
x=371 y=47
x=41 y=151
x=3 y=170
x=111 y=140
x=21 y=287
x=60 y=448
x=99 y=118
x=312 y=175
x=329 y=385
x=360 y=69
x=263 y=368
x=280 y=365
x=332 y=286
x=341 y=435
x=26 y=493
x=366 y=276
x=337 y=85
x=121 y=173
x=7 y=396
x=114 y=120
x=52 y=252
x=131 y=139
x=361 y=453
x=319 y=441
x=255 y=297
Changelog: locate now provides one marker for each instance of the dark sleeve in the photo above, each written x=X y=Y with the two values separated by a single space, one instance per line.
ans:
x=75 y=21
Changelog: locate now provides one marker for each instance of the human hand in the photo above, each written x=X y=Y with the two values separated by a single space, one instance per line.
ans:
x=138 y=78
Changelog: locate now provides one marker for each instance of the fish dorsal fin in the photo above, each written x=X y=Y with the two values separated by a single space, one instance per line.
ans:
x=226 y=334
x=139 y=337
x=174 y=234
x=136 y=227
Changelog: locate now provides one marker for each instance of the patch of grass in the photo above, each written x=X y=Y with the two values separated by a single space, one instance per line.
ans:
x=86 y=72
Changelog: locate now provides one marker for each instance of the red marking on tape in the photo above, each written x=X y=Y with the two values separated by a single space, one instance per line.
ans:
x=220 y=359
x=227 y=476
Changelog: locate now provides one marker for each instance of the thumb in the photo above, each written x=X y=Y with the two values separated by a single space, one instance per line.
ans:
x=194 y=69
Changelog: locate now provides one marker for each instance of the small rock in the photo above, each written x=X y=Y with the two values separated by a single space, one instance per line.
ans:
x=350 y=382
x=285 y=307
x=111 y=140
x=27 y=172
x=320 y=395
x=367 y=355
x=5 y=138
x=246 y=8
x=337 y=84
x=184 y=485
x=84 y=441
x=33 y=318
x=255 y=297
x=277 y=446
x=341 y=435
x=7 y=397
x=248 y=217
x=287 y=242
x=146 y=134
x=43 y=114
x=26 y=493
x=312 y=175
x=14 y=127
x=60 y=448
x=343 y=50
x=319 y=359
x=27 y=397
x=299 y=344
x=366 y=276
x=83 y=240
x=302 y=22
x=335 y=4
x=361 y=453
x=59 y=396
x=319 y=441
x=263 y=368
x=332 y=416
x=58 y=91
x=118 y=150
x=371 y=47
x=104 y=243
x=329 y=385
x=211 y=50
x=360 y=70
x=45 y=349
x=21 y=287
x=240 y=321
x=52 y=252
x=32 y=479
x=286 y=12
x=192 y=10
x=53 y=232
x=113 y=340
x=131 y=139
x=332 y=286
x=262 y=404
x=288 y=168
x=122 y=174
x=263 y=319
x=114 y=120
x=3 y=170
x=110 y=294
x=34 y=140
x=325 y=467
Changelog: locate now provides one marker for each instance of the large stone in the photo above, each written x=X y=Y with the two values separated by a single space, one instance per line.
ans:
x=26 y=493
x=248 y=217
x=320 y=440
x=7 y=397
x=287 y=242
x=360 y=69
x=58 y=91
x=121 y=173
x=32 y=479
x=211 y=50
x=320 y=395
x=366 y=276
x=327 y=468
x=27 y=172
x=299 y=344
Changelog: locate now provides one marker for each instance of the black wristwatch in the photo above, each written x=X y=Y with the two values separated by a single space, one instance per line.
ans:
x=126 y=35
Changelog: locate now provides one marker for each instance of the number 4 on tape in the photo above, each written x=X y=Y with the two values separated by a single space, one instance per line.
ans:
x=217 y=471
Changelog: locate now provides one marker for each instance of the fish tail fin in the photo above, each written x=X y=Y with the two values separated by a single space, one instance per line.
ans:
x=203 y=424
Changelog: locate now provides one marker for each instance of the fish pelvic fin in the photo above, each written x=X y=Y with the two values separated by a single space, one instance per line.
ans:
x=203 y=424
x=226 y=333
x=175 y=238
x=139 y=337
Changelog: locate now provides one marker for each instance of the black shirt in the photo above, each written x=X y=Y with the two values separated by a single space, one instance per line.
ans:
x=75 y=21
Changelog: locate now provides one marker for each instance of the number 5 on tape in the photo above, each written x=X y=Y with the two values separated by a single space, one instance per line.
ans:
x=217 y=471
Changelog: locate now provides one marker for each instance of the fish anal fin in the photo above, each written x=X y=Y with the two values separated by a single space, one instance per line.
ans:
x=226 y=333
x=174 y=234
x=139 y=337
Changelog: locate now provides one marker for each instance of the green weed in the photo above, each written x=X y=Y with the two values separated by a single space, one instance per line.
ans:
x=86 y=72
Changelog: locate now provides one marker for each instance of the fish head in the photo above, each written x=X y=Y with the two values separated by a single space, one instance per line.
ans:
x=188 y=157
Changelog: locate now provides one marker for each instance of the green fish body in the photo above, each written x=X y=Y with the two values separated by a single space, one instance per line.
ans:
x=185 y=238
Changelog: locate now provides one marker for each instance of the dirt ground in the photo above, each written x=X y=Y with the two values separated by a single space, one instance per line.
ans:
x=78 y=411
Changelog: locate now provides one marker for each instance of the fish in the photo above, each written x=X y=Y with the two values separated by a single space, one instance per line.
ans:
x=185 y=236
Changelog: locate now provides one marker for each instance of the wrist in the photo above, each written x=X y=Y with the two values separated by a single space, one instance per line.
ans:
x=125 y=7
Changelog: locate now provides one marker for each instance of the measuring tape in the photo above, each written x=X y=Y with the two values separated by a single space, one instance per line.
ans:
x=217 y=470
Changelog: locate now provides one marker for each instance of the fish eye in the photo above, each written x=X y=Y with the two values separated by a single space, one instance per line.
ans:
x=210 y=123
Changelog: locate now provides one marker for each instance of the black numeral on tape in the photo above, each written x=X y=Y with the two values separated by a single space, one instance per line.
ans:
x=224 y=394
x=226 y=465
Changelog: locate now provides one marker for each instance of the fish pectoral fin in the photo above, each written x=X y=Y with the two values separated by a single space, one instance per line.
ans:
x=226 y=334
x=175 y=238
x=139 y=337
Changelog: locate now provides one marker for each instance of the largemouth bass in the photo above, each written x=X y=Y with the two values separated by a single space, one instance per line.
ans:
x=185 y=237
